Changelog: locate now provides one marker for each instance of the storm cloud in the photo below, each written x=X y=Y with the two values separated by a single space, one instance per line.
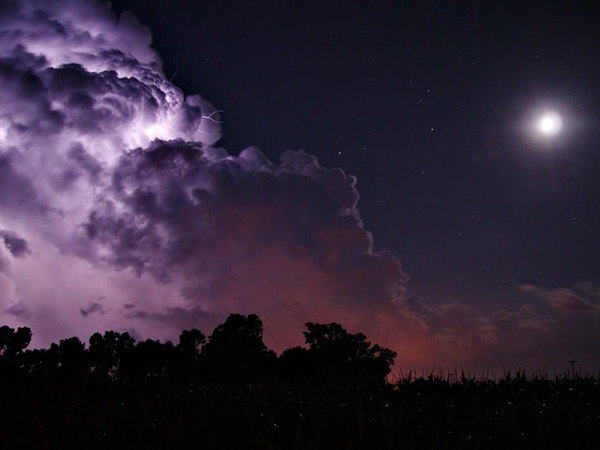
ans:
x=117 y=211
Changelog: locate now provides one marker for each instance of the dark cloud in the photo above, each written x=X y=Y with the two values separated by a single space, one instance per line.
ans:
x=180 y=318
x=84 y=160
x=201 y=199
x=16 y=245
x=92 y=308
x=17 y=189
x=18 y=310
x=244 y=234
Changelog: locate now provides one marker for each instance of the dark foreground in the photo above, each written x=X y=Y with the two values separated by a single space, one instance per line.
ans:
x=80 y=412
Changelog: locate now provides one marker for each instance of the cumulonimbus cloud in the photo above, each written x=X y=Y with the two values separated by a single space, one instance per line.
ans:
x=117 y=211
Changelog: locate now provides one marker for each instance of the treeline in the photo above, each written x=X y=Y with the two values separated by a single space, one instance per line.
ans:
x=234 y=352
x=229 y=391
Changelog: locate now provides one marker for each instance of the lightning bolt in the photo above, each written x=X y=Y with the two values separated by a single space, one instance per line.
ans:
x=210 y=116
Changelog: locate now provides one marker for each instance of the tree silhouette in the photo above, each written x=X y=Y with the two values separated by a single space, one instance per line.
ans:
x=191 y=341
x=187 y=357
x=236 y=351
x=336 y=354
x=13 y=343
x=69 y=355
x=150 y=359
x=108 y=351
x=12 y=347
x=297 y=363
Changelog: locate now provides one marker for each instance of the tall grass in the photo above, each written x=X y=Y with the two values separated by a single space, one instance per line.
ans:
x=436 y=410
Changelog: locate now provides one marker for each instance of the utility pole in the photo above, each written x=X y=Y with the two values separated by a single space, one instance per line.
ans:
x=572 y=362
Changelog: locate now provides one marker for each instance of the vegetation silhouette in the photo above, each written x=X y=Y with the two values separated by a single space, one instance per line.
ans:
x=235 y=350
x=228 y=390
x=13 y=342
x=335 y=354
x=109 y=353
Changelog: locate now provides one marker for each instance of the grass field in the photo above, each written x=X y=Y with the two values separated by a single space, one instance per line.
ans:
x=434 y=412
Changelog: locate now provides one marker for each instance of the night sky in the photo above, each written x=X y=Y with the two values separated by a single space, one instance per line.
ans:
x=485 y=248
x=428 y=104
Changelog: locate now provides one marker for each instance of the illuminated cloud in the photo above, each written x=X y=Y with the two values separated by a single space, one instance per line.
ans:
x=583 y=297
x=80 y=89
x=113 y=185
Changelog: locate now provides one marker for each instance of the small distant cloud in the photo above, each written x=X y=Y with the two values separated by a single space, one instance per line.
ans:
x=18 y=310
x=92 y=308
x=528 y=288
x=16 y=245
x=583 y=297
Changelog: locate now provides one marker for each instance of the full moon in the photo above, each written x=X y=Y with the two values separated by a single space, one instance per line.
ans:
x=550 y=123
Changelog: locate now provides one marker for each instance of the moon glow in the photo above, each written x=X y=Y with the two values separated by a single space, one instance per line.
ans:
x=550 y=123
